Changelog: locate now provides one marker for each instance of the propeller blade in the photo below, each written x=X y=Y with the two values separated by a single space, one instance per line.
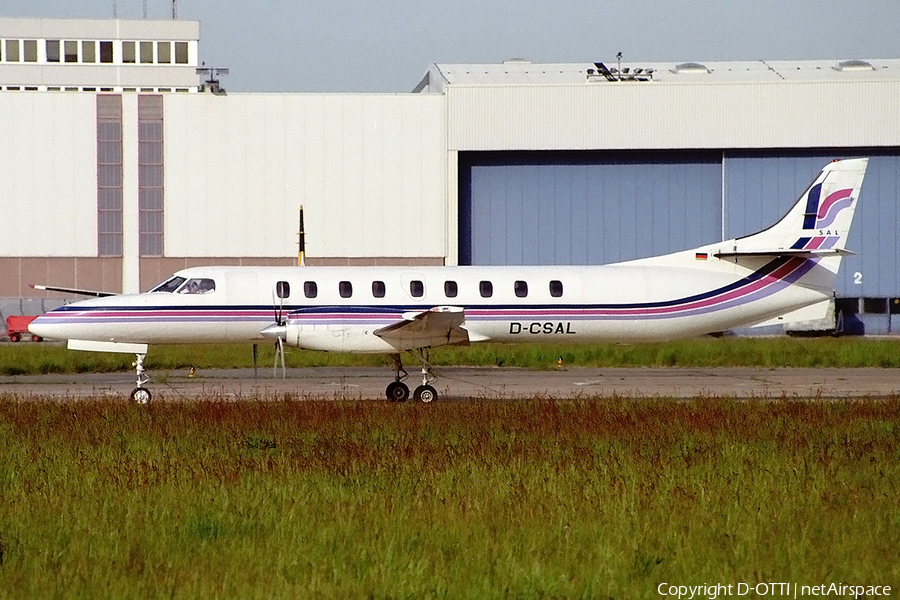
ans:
x=279 y=354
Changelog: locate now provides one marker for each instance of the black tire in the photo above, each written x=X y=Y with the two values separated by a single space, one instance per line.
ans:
x=141 y=395
x=397 y=391
x=37 y=338
x=14 y=337
x=425 y=393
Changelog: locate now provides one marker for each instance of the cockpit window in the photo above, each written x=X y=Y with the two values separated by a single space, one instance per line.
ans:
x=198 y=286
x=169 y=285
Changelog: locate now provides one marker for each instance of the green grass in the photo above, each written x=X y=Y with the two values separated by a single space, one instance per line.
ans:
x=29 y=358
x=593 y=498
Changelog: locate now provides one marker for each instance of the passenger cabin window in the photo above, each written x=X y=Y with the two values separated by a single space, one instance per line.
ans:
x=346 y=289
x=486 y=288
x=198 y=286
x=310 y=289
x=521 y=289
x=556 y=288
x=283 y=289
x=416 y=288
x=450 y=289
x=169 y=285
x=378 y=289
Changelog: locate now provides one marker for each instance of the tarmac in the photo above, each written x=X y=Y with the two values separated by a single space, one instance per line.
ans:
x=462 y=383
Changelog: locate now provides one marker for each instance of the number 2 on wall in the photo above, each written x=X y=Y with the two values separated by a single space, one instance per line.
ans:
x=857 y=278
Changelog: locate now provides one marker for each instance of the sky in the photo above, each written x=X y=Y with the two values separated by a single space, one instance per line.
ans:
x=386 y=46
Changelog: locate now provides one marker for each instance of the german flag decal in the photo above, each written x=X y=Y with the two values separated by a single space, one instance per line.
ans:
x=701 y=256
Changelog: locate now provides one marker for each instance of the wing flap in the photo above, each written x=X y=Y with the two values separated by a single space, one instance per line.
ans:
x=438 y=326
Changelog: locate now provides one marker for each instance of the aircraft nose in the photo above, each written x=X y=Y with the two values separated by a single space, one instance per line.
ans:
x=44 y=327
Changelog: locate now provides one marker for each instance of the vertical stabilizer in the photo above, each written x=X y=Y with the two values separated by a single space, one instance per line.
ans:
x=820 y=220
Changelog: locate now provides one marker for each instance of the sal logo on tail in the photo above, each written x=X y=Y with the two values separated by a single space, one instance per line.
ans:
x=821 y=215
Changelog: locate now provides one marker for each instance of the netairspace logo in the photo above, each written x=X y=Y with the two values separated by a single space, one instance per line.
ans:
x=777 y=589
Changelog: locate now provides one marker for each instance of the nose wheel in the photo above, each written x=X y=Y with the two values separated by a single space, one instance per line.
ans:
x=140 y=394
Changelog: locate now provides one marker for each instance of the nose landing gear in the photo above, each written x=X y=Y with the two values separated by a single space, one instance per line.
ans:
x=140 y=394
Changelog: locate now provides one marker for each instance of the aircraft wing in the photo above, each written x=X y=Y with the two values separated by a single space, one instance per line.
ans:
x=438 y=326
x=94 y=293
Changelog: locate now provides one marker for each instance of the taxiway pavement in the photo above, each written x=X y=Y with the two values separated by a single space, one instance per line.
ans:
x=459 y=383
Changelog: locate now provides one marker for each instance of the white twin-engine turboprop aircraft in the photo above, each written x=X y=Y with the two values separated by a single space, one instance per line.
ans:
x=391 y=310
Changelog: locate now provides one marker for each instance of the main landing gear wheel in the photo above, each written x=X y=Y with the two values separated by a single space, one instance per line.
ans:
x=397 y=391
x=141 y=395
x=425 y=393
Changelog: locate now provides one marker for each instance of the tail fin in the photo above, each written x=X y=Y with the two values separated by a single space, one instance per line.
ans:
x=818 y=223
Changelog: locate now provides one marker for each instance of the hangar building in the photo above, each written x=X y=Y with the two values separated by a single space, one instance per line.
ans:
x=116 y=169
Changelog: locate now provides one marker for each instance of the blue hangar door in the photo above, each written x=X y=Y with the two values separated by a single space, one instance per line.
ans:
x=589 y=207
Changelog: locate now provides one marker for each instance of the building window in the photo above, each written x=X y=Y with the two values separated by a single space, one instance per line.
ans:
x=106 y=52
x=450 y=289
x=346 y=289
x=556 y=288
x=146 y=52
x=416 y=288
x=128 y=52
x=71 y=49
x=89 y=52
x=181 y=53
x=310 y=289
x=52 y=50
x=150 y=175
x=521 y=289
x=164 y=52
x=486 y=288
x=12 y=50
x=283 y=289
x=378 y=289
x=109 y=175
x=30 y=48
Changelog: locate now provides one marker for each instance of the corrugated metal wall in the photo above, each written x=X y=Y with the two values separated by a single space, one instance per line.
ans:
x=787 y=114
x=369 y=169
x=585 y=208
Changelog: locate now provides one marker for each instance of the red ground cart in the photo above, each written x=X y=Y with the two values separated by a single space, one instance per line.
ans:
x=16 y=327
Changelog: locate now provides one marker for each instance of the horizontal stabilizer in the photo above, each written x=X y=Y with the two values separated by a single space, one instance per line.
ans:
x=79 y=292
x=787 y=252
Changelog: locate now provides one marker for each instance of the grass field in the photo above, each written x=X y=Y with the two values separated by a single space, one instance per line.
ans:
x=592 y=498
x=29 y=358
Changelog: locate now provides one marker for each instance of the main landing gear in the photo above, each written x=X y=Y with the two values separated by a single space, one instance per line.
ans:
x=397 y=391
x=140 y=394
